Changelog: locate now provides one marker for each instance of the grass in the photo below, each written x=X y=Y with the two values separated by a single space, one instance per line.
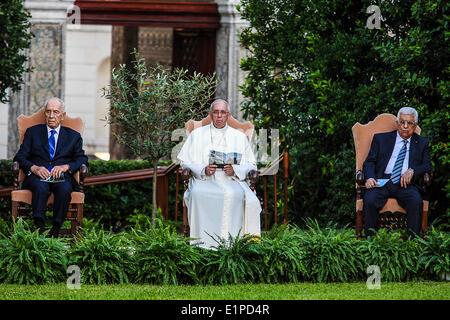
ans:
x=426 y=290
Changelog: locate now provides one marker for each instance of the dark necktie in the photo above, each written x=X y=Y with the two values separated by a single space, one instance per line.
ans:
x=51 y=146
x=397 y=171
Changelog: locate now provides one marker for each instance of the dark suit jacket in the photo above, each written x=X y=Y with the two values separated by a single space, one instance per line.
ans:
x=381 y=150
x=34 y=150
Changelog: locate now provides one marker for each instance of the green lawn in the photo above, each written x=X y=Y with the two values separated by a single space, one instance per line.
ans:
x=301 y=291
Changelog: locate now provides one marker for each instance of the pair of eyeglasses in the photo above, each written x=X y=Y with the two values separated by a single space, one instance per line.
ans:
x=221 y=112
x=403 y=122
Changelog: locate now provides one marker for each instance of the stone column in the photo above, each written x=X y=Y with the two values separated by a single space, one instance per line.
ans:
x=46 y=57
x=229 y=54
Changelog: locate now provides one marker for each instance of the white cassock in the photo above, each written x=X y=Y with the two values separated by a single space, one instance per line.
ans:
x=219 y=205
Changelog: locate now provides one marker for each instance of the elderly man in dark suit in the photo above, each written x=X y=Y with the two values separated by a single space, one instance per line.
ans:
x=401 y=156
x=51 y=151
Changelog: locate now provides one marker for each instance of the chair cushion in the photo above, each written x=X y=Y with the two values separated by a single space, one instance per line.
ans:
x=390 y=206
x=26 y=196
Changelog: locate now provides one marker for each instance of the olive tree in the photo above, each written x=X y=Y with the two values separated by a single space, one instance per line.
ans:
x=148 y=103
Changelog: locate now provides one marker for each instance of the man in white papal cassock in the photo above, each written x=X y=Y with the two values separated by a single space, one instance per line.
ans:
x=219 y=201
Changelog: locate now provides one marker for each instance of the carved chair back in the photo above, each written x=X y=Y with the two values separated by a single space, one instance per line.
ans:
x=245 y=127
x=363 y=134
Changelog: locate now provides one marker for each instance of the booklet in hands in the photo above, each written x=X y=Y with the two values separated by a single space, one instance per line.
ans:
x=52 y=179
x=221 y=158
x=381 y=182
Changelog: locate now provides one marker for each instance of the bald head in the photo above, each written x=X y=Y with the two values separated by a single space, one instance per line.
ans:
x=54 y=112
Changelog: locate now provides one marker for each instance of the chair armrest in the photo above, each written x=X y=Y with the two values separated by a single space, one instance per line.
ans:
x=16 y=170
x=83 y=174
x=426 y=179
x=185 y=174
x=253 y=177
x=360 y=178
x=359 y=184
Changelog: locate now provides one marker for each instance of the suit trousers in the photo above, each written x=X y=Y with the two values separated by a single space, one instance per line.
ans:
x=41 y=192
x=408 y=198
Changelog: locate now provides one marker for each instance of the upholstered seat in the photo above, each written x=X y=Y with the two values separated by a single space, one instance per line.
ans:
x=25 y=196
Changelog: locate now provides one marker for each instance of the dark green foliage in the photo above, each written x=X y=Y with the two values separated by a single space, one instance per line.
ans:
x=283 y=255
x=111 y=204
x=397 y=258
x=314 y=70
x=27 y=258
x=435 y=257
x=233 y=261
x=14 y=39
x=330 y=254
x=6 y=227
x=162 y=256
x=156 y=254
x=103 y=257
x=6 y=180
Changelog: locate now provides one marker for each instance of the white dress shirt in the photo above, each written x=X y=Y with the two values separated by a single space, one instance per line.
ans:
x=398 y=145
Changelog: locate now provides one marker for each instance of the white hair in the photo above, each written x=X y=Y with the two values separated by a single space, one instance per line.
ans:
x=220 y=100
x=63 y=105
x=409 y=111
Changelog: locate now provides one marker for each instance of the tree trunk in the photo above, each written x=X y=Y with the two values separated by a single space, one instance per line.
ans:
x=155 y=179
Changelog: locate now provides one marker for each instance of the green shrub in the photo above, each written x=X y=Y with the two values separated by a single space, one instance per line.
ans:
x=89 y=224
x=330 y=254
x=156 y=254
x=28 y=258
x=6 y=180
x=435 y=257
x=397 y=258
x=232 y=261
x=283 y=255
x=162 y=256
x=103 y=257
x=5 y=228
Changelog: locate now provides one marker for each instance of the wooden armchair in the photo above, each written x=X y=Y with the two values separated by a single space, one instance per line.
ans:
x=246 y=127
x=392 y=215
x=20 y=196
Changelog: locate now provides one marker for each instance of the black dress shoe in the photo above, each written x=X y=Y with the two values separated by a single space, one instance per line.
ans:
x=40 y=224
x=54 y=232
